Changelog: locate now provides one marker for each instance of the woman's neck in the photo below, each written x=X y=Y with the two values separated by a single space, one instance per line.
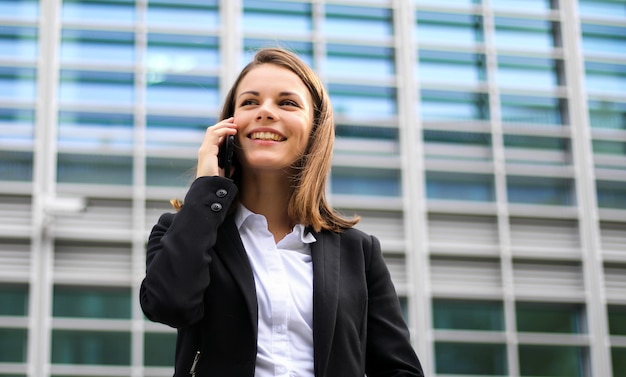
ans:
x=269 y=195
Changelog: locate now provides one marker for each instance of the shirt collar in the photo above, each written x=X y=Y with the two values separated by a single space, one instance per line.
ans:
x=243 y=214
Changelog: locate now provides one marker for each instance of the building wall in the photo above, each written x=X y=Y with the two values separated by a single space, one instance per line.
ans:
x=484 y=143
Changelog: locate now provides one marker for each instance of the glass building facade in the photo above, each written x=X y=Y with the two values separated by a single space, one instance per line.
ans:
x=484 y=143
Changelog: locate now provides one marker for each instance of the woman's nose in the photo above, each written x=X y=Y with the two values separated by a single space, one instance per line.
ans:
x=265 y=112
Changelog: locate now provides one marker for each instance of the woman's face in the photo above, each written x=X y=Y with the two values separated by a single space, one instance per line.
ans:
x=274 y=115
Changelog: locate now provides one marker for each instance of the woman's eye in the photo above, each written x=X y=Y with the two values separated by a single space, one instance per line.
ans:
x=247 y=102
x=289 y=102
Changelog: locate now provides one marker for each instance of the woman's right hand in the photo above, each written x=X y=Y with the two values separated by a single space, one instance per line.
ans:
x=207 y=154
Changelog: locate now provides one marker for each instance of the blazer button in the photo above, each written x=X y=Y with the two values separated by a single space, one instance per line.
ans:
x=216 y=207
x=221 y=193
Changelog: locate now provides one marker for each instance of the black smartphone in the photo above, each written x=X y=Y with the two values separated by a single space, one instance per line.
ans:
x=225 y=154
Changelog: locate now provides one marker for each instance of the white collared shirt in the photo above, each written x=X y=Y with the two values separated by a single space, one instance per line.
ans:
x=283 y=275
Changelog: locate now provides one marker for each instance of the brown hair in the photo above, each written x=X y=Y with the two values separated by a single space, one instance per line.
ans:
x=308 y=204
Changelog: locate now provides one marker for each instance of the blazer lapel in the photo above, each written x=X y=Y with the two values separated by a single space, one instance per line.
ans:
x=325 y=255
x=233 y=254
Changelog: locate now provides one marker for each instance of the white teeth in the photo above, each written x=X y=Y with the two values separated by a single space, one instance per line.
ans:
x=266 y=136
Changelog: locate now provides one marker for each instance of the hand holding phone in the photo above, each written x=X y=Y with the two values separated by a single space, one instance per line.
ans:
x=225 y=155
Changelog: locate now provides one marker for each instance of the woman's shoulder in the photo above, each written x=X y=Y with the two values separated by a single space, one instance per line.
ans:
x=352 y=236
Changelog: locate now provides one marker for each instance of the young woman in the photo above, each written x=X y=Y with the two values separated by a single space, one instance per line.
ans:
x=258 y=273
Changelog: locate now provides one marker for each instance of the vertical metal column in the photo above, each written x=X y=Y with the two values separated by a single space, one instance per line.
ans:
x=138 y=189
x=500 y=181
x=44 y=183
x=231 y=42
x=413 y=193
x=588 y=218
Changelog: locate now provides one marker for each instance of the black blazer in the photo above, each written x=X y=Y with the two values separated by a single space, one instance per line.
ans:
x=199 y=280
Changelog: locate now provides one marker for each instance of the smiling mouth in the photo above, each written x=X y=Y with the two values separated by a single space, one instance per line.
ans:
x=266 y=136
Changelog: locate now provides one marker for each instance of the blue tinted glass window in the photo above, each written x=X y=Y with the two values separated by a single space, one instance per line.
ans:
x=166 y=90
x=543 y=150
x=252 y=45
x=440 y=105
x=99 y=11
x=470 y=359
x=360 y=102
x=542 y=191
x=617 y=320
x=369 y=23
x=97 y=47
x=375 y=63
x=366 y=132
x=455 y=145
x=468 y=315
x=16 y=166
x=183 y=14
x=450 y=67
x=612 y=8
x=531 y=110
x=17 y=125
x=18 y=42
x=604 y=114
x=454 y=3
x=456 y=138
x=165 y=132
x=21 y=9
x=549 y=317
x=369 y=182
x=526 y=5
x=526 y=34
x=611 y=194
x=90 y=347
x=539 y=360
x=170 y=172
x=155 y=123
x=261 y=16
x=91 y=87
x=94 y=169
x=460 y=186
x=17 y=84
x=181 y=53
x=448 y=28
x=609 y=147
x=537 y=73
x=91 y=302
x=97 y=130
x=604 y=39
x=605 y=78
x=13 y=299
x=618 y=358
x=159 y=349
x=13 y=343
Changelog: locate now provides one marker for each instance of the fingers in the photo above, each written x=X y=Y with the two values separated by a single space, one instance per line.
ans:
x=207 y=153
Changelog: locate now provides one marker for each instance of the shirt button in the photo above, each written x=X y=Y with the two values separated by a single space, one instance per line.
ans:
x=216 y=207
x=221 y=193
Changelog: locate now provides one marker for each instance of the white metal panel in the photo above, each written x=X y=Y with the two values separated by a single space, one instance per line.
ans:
x=613 y=237
x=14 y=260
x=615 y=282
x=545 y=279
x=15 y=216
x=461 y=232
x=154 y=209
x=103 y=219
x=76 y=262
x=471 y=276
x=545 y=234
x=388 y=227
x=397 y=267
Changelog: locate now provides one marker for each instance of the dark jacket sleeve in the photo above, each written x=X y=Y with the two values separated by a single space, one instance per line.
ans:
x=178 y=258
x=388 y=351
